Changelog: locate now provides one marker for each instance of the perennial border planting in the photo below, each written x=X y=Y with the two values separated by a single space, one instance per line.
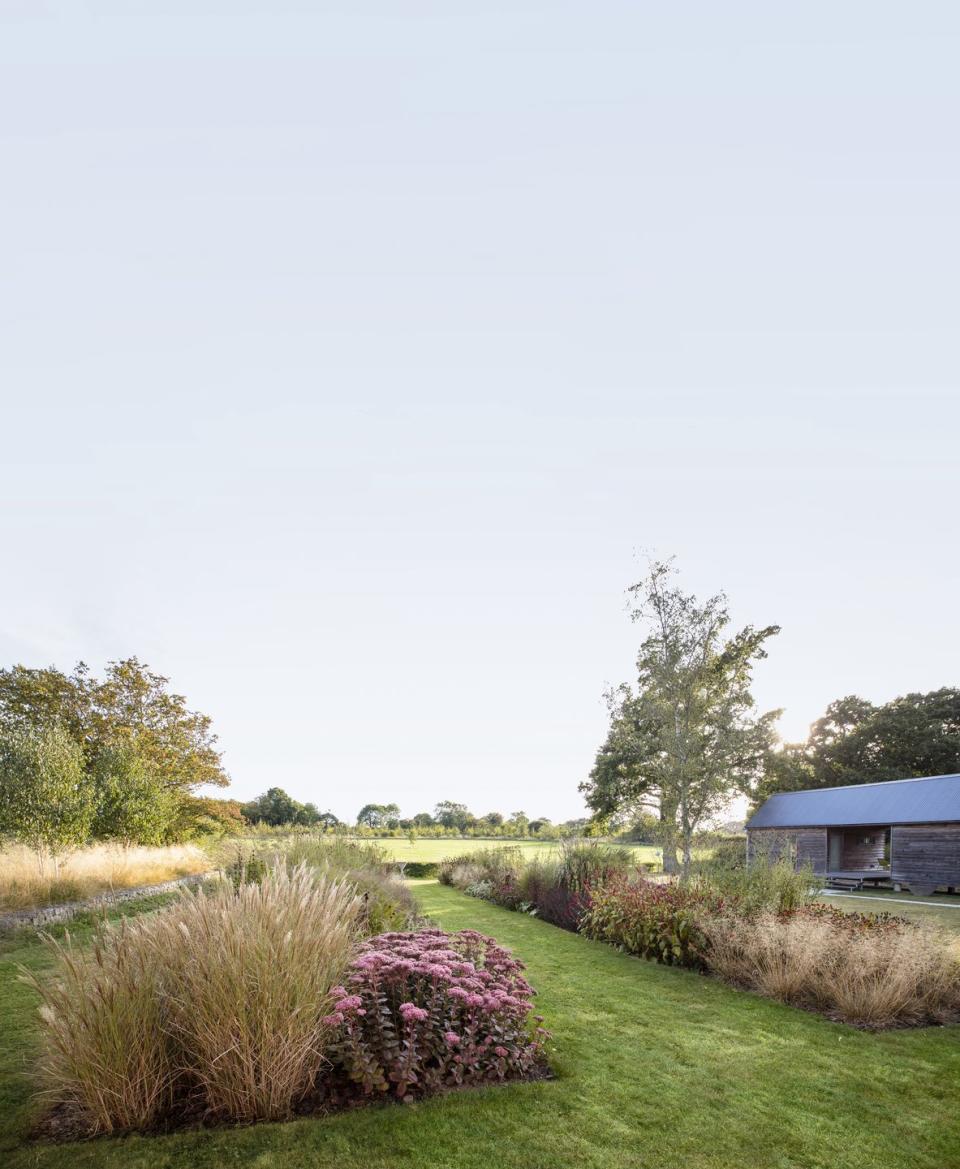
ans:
x=758 y=931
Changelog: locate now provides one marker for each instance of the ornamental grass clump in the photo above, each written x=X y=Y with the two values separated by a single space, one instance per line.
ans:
x=869 y=971
x=106 y=1057
x=419 y=1012
x=215 y=1007
x=247 y=998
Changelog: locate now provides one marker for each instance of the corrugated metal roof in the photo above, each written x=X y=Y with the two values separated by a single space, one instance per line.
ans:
x=932 y=800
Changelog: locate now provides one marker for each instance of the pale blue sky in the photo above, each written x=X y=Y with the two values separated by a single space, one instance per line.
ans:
x=351 y=350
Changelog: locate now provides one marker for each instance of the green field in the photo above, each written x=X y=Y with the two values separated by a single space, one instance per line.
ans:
x=655 y=1067
x=436 y=850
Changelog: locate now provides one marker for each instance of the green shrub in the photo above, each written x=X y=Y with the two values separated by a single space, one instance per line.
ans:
x=418 y=869
x=728 y=854
x=662 y=922
x=245 y=869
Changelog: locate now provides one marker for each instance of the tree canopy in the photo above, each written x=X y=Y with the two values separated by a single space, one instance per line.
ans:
x=275 y=807
x=379 y=815
x=858 y=742
x=141 y=751
x=130 y=706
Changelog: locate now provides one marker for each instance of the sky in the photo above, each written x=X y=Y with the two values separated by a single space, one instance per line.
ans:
x=352 y=355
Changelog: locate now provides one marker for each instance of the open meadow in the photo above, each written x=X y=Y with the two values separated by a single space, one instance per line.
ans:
x=89 y=871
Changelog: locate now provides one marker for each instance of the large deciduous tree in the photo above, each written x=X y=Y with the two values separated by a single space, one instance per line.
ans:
x=687 y=735
x=130 y=707
x=858 y=742
x=135 y=706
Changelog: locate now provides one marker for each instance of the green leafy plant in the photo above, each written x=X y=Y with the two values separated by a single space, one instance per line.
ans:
x=662 y=922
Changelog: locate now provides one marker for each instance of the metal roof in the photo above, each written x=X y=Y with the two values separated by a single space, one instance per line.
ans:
x=933 y=800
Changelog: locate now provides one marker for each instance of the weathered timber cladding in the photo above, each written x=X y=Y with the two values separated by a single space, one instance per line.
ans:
x=804 y=845
x=862 y=848
x=812 y=848
x=927 y=854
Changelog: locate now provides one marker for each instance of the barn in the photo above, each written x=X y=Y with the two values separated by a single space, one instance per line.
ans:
x=903 y=833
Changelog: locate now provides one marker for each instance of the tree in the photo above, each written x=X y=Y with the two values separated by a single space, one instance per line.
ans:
x=493 y=819
x=687 y=737
x=328 y=820
x=423 y=820
x=274 y=807
x=519 y=823
x=46 y=696
x=131 y=705
x=132 y=803
x=46 y=796
x=134 y=704
x=208 y=816
x=857 y=742
x=451 y=815
x=379 y=816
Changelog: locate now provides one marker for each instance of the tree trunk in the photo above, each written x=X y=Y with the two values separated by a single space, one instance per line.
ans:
x=687 y=855
x=668 y=837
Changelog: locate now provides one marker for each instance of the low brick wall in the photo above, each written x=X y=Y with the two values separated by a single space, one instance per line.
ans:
x=41 y=915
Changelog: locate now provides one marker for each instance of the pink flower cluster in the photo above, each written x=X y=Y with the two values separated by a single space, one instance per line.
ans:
x=428 y=1010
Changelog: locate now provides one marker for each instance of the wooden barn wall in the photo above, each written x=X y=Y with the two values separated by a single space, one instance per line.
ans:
x=863 y=848
x=926 y=853
x=805 y=845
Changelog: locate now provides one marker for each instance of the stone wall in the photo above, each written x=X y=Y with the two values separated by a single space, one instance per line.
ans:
x=43 y=915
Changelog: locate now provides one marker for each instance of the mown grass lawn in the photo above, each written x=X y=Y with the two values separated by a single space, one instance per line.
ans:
x=655 y=1067
x=436 y=850
x=940 y=909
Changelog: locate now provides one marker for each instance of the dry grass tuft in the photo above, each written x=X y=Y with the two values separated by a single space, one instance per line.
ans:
x=877 y=978
x=215 y=1004
x=90 y=871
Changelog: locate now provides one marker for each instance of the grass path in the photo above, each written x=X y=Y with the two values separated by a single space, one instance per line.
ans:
x=656 y=1069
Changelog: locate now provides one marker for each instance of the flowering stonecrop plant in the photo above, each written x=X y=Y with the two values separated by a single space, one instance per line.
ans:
x=423 y=1011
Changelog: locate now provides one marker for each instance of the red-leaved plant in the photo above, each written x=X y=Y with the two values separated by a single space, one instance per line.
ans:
x=429 y=1010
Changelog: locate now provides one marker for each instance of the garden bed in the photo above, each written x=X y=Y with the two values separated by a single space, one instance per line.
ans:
x=652 y=1064
x=757 y=929
x=270 y=998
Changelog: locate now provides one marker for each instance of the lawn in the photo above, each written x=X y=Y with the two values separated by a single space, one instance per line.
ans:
x=436 y=850
x=655 y=1067
x=940 y=909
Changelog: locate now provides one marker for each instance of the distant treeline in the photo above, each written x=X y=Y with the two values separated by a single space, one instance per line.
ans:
x=277 y=808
